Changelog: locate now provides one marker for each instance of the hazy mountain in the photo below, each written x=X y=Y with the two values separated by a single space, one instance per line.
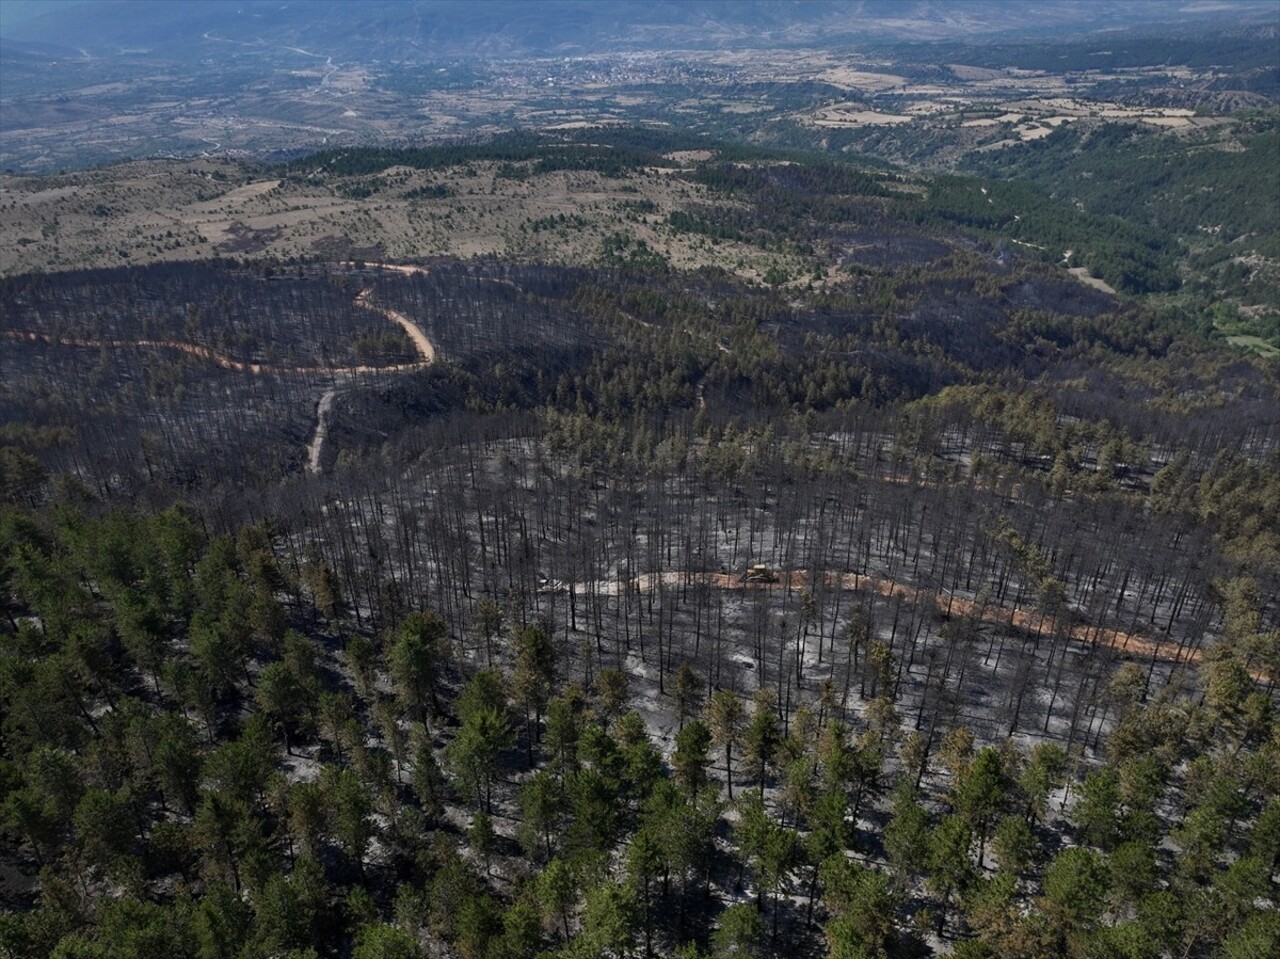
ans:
x=89 y=81
x=410 y=30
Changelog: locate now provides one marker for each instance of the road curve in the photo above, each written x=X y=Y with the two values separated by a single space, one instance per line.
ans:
x=421 y=343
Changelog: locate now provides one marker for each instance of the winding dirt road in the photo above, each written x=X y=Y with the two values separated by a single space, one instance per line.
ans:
x=316 y=446
x=421 y=343
x=424 y=347
x=426 y=350
x=1037 y=624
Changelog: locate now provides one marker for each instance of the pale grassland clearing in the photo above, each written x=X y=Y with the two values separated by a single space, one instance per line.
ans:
x=1035 y=131
x=351 y=80
x=35 y=198
x=158 y=211
x=1127 y=113
x=1026 y=132
x=964 y=72
x=250 y=190
x=1042 y=106
x=1082 y=274
x=927 y=108
x=927 y=90
x=848 y=78
x=1069 y=105
x=689 y=156
x=1255 y=343
x=1046 y=107
x=577 y=125
x=100 y=89
x=847 y=116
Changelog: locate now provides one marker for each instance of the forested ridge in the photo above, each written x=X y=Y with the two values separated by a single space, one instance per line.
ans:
x=1219 y=194
x=923 y=602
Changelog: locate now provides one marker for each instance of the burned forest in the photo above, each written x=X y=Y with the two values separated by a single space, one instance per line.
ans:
x=902 y=596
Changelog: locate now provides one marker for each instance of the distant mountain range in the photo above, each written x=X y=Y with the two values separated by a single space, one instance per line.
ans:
x=426 y=29
x=95 y=81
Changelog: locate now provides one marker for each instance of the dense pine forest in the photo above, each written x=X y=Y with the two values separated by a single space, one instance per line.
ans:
x=917 y=600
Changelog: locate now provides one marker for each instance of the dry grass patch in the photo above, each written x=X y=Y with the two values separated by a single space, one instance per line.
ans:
x=181 y=211
x=847 y=116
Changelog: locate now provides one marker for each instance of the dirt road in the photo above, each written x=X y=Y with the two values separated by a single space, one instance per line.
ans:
x=421 y=343
x=1027 y=621
x=316 y=446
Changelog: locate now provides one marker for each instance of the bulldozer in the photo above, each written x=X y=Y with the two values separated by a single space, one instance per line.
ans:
x=760 y=573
